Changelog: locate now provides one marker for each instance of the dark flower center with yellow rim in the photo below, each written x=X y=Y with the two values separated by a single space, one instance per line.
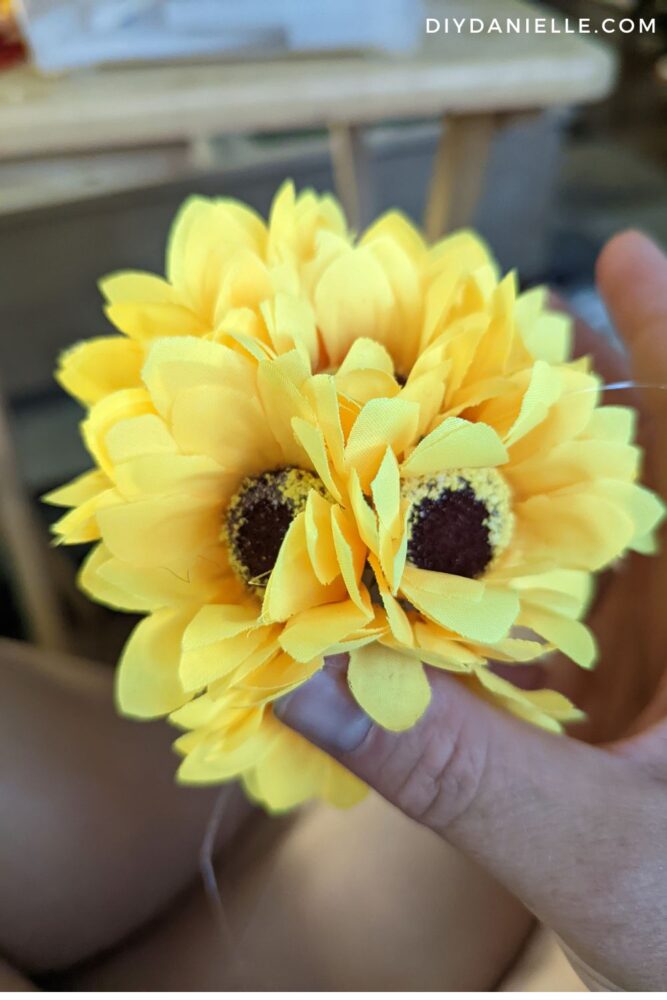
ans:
x=459 y=521
x=259 y=516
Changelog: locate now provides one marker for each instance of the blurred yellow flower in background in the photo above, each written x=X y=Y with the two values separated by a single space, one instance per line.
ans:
x=399 y=462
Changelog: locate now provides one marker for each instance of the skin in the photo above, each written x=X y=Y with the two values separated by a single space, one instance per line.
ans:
x=576 y=831
x=100 y=885
x=99 y=849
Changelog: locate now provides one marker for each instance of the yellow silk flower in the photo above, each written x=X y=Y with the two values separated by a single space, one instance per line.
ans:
x=223 y=265
x=417 y=474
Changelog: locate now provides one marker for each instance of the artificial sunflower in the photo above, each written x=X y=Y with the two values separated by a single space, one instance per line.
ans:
x=223 y=262
x=430 y=481
x=231 y=277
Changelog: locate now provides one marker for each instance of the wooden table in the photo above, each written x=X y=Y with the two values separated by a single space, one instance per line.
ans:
x=470 y=81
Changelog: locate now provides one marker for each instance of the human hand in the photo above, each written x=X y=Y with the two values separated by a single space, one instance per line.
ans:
x=576 y=831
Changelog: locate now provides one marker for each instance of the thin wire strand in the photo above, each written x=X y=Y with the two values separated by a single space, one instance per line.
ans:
x=617 y=386
x=231 y=944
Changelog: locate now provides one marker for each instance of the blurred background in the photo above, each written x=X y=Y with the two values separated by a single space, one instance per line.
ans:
x=112 y=111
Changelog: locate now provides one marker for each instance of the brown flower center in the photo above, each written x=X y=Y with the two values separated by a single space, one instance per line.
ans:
x=259 y=516
x=458 y=522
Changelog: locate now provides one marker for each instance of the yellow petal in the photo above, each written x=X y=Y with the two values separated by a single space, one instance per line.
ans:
x=312 y=633
x=210 y=762
x=365 y=354
x=548 y=337
x=428 y=391
x=93 y=583
x=353 y=299
x=362 y=386
x=203 y=664
x=82 y=523
x=321 y=392
x=573 y=529
x=279 y=674
x=400 y=330
x=543 y=390
x=397 y=227
x=382 y=423
x=136 y=286
x=547 y=709
x=342 y=788
x=159 y=531
x=131 y=588
x=311 y=438
x=574 y=462
x=293 y=585
x=612 y=423
x=365 y=517
x=456 y=444
x=386 y=493
x=295 y=223
x=79 y=491
x=176 y=364
x=351 y=555
x=292 y=772
x=319 y=538
x=399 y=623
x=146 y=434
x=291 y=324
x=246 y=283
x=389 y=686
x=567 y=634
x=93 y=369
x=485 y=615
x=203 y=235
x=152 y=475
x=147 y=682
x=440 y=650
x=282 y=402
x=122 y=405
x=228 y=426
x=643 y=506
x=463 y=249
x=147 y=322
x=202 y=711
x=214 y=622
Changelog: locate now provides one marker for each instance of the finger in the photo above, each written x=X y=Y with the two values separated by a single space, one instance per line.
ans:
x=632 y=277
x=542 y=813
x=96 y=837
x=608 y=360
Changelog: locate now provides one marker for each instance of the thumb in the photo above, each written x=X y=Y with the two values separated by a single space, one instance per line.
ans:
x=541 y=812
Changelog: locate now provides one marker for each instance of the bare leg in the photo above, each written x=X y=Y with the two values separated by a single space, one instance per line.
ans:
x=95 y=837
x=355 y=900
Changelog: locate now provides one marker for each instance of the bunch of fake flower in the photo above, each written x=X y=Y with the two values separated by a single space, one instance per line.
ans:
x=308 y=443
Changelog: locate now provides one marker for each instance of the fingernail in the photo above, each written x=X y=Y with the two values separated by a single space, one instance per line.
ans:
x=324 y=711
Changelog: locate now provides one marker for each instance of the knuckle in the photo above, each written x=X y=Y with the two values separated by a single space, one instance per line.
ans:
x=443 y=777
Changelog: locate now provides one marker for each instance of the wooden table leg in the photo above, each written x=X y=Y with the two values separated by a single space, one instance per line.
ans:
x=201 y=153
x=27 y=549
x=458 y=173
x=351 y=172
